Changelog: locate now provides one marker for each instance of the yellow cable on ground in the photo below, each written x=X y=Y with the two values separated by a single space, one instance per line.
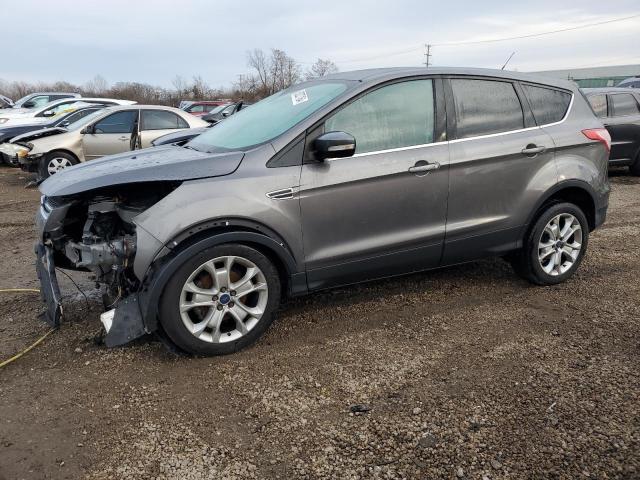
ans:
x=37 y=342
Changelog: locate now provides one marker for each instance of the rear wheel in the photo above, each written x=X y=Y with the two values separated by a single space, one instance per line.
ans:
x=55 y=162
x=555 y=245
x=221 y=300
x=634 y=168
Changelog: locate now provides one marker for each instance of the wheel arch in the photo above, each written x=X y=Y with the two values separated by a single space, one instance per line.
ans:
x=209 y=234
x=62 y=150
x=577 y=192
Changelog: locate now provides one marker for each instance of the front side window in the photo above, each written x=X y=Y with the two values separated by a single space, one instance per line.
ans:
x=484 y=107
x=548 y=104
x=119 y=122
x=268 y=118
x=161 y=120
x=599 y=104
x=624 y=104
x=394 y=116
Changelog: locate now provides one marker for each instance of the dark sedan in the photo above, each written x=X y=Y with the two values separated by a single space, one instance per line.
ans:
x=223 y=111
x=619 y=109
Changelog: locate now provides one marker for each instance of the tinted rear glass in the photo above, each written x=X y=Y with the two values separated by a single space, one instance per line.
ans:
x=624 y=104
x=548 y=104
x=599 y=104
x=486 y=106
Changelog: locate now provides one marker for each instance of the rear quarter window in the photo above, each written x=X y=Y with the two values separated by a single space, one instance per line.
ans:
x=549 y=105
x=598 y=104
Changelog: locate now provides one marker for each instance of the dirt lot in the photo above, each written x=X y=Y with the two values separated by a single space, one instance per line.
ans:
x=468 y=372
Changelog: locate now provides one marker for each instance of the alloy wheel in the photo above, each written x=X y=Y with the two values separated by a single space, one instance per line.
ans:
x=560 y=244
x=223 y=299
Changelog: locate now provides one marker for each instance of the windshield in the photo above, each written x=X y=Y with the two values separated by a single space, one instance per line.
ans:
x=268 y=118
x=218 y=109
x=84 y=121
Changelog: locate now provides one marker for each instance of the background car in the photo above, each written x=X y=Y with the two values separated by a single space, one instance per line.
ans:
x=10 y=132
x=180 y=137
x=5 y=102
x=106 y=132
x=39 y=99
x=632 y=82
x=619 y=109
x=223 y=111
x=57 y=107
x=201 y=107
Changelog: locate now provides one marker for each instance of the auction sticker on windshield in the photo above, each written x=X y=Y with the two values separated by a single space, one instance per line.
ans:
x=299 y=97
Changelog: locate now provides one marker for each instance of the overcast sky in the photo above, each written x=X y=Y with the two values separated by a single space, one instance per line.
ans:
x=153 y=41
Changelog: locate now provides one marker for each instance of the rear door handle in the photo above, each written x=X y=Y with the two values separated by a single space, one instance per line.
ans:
x=422 y=167
x=532 y=150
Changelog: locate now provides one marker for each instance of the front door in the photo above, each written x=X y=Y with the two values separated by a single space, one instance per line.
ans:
x=111 y=134
x=381 y=212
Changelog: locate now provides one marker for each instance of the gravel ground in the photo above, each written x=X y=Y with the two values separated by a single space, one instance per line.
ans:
x=465 y=372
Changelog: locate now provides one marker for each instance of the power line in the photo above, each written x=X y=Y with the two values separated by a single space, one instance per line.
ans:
x=476 y=42
x=455 y=44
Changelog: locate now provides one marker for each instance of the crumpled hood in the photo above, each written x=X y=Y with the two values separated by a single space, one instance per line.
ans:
x=44 y=132
x=165 y=163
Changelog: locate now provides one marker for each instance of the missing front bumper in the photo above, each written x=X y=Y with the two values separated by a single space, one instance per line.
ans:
x=49 y=289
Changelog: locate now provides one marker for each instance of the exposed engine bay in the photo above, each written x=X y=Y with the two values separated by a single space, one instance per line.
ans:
x=98 y=234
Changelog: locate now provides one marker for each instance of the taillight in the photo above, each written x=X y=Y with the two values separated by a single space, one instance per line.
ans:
x=599 y=134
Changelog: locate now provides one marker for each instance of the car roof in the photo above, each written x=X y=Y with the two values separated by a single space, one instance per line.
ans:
x=376 y=75
x=610 y=90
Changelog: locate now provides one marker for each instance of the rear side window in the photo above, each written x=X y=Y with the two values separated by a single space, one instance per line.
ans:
x=395 y=116
x=120 y=122
x=485 y=106
x=161 y=120
x=624 y=104
x=548 y=104
x=598 y=104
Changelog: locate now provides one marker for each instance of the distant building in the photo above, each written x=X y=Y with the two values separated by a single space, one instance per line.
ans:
x=597 y=76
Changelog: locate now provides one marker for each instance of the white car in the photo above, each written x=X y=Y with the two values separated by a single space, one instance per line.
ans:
x=21 y=116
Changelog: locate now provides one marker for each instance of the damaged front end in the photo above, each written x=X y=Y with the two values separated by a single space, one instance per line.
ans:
x=96 y=232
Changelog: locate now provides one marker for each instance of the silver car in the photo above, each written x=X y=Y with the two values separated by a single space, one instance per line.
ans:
x=352 y=177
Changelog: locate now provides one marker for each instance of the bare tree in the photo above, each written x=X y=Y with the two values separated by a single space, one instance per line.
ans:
x=97 y=86
x=272 y=73
x=321 y=68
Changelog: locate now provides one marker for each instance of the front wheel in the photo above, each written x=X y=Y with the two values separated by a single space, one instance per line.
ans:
x=555 y=246
x=55 y=162
x=220 y=300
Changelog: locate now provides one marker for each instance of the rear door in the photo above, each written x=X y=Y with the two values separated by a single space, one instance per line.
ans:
x=111 y=134
x=382 y=211
x=500 y=162
x=155 y=123
x=623 y=125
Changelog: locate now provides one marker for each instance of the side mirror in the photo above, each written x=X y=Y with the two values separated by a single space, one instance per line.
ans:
x=64 y=124
x=226 y=114
x=334 y=145
x=48 y=113
x=29 y=104
x=88 y=129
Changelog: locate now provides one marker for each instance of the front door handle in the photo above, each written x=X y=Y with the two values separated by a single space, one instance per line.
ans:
x=422 y=167
x=124 y=138
x=532 y=150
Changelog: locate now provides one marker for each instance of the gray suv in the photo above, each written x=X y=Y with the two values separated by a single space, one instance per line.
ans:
x=352 y=177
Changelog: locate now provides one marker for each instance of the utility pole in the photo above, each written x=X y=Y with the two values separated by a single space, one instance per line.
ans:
x=427 y=55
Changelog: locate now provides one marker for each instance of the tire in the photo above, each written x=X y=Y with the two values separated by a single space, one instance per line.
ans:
x=215 y=326
x=535 y=263
x=634 y=168
x=54 y=162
